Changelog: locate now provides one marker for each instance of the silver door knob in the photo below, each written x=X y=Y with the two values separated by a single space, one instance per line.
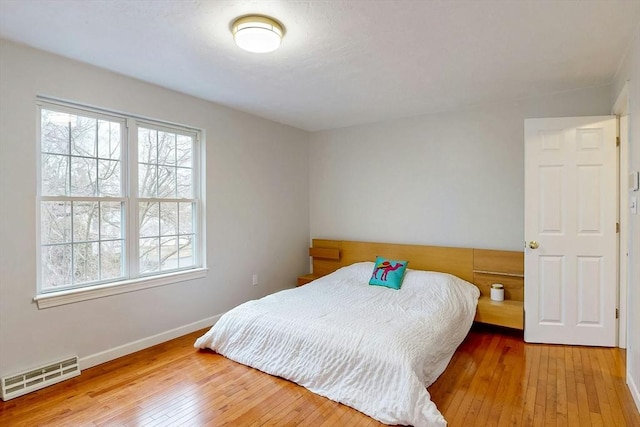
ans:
x=533 y=244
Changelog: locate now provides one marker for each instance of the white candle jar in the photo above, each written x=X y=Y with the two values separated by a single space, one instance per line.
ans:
x=497 y=292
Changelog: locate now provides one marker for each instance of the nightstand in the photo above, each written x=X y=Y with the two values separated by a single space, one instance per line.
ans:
x=508 y=313
x=507 y=268
x=307 y=278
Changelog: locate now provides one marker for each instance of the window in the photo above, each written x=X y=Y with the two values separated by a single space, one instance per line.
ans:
x=118 y=198
x=166 y=203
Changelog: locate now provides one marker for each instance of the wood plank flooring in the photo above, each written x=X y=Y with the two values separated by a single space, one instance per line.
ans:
x=494 y=379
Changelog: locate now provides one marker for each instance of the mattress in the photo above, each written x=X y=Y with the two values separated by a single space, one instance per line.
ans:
x=369 y=347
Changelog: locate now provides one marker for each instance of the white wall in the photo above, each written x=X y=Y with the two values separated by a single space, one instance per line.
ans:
x=451 y=179
x=630 y=71
x=257 y=213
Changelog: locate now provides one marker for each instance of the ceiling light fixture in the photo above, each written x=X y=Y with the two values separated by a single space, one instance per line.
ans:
x=256 y=33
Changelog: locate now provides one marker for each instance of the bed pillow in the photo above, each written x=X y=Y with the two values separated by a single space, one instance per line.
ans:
x=388 y=272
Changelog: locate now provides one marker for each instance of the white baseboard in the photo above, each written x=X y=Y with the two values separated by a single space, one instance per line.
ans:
x=635 y=390
x=113 y=353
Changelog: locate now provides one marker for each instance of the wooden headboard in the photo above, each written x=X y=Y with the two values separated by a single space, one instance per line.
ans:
x=481 y=267
x=457 y=261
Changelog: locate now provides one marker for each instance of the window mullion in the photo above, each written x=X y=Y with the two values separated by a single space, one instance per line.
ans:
x=100 y=240
x=81 y=199
x=133 y=267
x=68 y=183
x=95 y=147
x=73 y=246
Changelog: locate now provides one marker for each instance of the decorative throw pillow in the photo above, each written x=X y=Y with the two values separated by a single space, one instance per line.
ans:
x=388 y=272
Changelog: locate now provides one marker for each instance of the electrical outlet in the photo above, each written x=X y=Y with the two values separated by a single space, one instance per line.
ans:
x=255 y=280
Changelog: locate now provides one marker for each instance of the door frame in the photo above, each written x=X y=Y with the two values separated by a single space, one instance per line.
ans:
x=621 y=108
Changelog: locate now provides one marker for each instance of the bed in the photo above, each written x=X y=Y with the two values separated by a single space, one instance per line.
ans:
x=369 y=347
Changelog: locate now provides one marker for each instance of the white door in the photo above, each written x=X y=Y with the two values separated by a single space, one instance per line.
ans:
x=570 y=230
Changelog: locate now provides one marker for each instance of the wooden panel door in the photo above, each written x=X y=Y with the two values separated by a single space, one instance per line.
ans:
x=570 y=231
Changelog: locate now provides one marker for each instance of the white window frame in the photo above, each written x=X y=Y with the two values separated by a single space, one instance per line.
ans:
x=133 y=280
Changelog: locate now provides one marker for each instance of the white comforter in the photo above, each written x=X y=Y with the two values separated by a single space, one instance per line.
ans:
x=369 y=347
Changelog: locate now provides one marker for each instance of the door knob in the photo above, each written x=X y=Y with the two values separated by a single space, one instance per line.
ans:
x=533 y=244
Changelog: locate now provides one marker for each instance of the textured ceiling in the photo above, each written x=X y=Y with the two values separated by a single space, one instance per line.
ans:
x=341 y=62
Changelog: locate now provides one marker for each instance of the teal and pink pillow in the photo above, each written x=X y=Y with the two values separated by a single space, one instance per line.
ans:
x=388 y=272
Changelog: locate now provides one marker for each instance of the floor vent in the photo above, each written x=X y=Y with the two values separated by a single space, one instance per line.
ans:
x=35 y=379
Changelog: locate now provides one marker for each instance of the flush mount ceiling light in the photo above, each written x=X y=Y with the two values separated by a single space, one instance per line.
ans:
x=258 y=34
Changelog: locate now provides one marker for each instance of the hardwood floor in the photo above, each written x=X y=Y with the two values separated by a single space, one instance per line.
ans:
x=494 y=379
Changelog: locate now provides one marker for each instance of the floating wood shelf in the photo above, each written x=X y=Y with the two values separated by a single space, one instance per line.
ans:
x=507 y=268
x=498 y=273
x=507 y=313
x=325 y=253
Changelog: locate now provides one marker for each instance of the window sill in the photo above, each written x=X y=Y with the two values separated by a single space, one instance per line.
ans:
x=69 y=296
